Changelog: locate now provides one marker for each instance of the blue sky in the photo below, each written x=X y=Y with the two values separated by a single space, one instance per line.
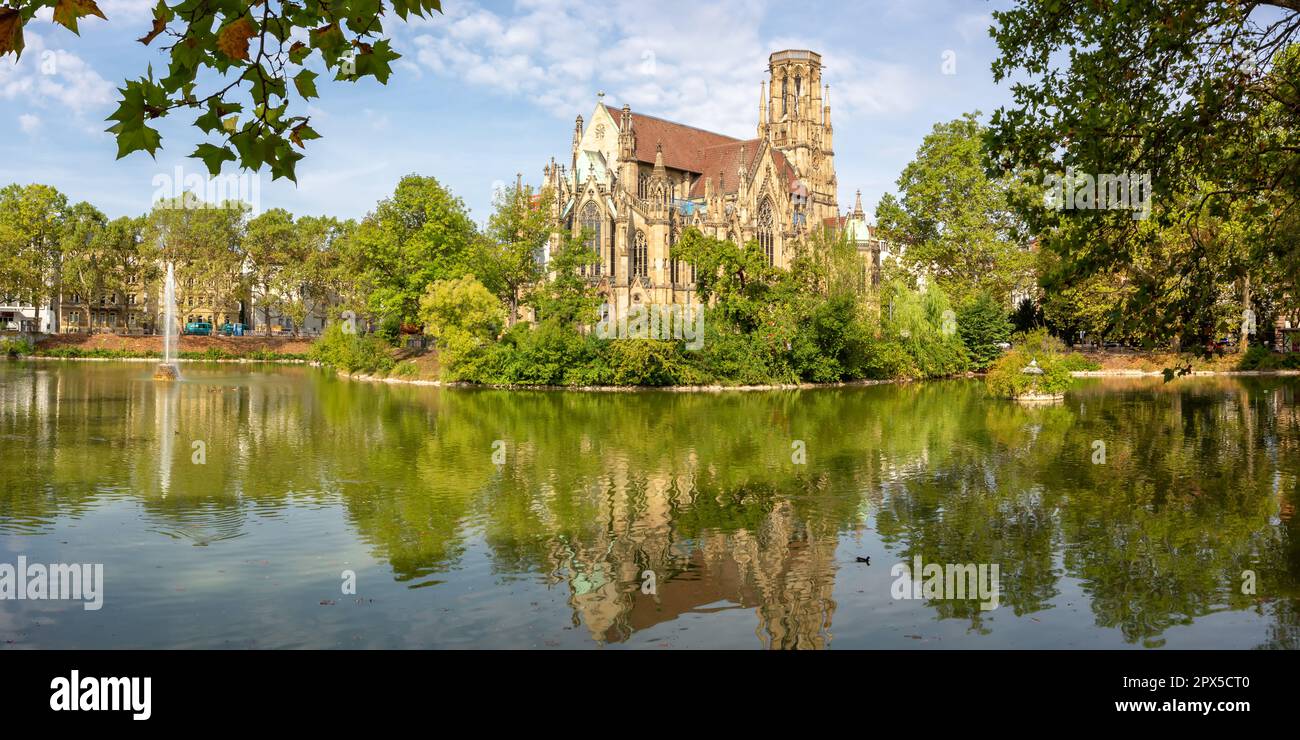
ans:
x=492 y=88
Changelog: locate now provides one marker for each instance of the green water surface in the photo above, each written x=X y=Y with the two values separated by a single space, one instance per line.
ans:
x=537 y=519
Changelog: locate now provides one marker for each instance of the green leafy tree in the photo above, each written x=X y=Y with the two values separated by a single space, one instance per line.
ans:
x=421 y=234
x=518 y=234
x=983 y=326
x=204 y=241
x=32 y=228
x=922 y=322
x=959 y=225
x=1171 y=88
x=463 y=317
x=239 y=65
x=828 y=263
x=341 y=269
x=309 y=279
x=86 y=271
x=739 y=278
x=269 y=250
x=1200 y=95
x=566 y=296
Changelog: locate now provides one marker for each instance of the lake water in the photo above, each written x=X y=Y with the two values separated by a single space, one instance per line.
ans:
x=229 y=510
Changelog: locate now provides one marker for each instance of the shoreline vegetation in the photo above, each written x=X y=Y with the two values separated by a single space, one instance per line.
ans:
x=368 y=359
x=521 y=302
x=284 y=359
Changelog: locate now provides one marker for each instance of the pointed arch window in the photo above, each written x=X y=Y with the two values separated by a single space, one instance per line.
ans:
x=767 y=231
x=640 y=256
x=675 y=264
x=590 y=225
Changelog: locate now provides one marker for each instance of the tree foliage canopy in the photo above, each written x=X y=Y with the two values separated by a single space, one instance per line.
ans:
x=240 y=66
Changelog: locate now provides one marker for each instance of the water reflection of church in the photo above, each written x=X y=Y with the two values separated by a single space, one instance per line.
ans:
x=779 y=567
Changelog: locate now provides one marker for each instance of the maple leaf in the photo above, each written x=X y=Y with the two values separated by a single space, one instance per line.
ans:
x=233 y=38
x=159 y=25
x=11 y=32
x=67 y=12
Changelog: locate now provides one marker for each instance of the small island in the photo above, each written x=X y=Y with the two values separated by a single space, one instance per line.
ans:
x=1036 y=371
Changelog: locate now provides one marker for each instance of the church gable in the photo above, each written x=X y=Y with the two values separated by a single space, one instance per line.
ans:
x=599 y=146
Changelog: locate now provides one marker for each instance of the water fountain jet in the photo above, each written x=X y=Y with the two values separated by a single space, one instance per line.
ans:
x=167 y=369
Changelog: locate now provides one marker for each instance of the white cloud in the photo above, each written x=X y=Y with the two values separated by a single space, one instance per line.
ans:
x=29 y=123
x=700 y=63
x=46 y=77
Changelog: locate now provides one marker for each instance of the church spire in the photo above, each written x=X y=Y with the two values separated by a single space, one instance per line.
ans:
x=762 y=110
x=577 y=144
x=858 y=213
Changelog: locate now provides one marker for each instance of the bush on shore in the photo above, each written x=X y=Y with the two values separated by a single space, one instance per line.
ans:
x=1258 y=357
x=15 y=347
x=1007 y=379
x=353 y=353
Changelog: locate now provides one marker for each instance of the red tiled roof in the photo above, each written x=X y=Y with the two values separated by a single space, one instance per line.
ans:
x=683 y=145
x=724 y=162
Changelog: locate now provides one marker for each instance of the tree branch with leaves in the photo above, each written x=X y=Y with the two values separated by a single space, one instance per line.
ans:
x=241 y=65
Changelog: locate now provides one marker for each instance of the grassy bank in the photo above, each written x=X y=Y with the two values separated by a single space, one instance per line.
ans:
x=212 y=354
x=191 y=348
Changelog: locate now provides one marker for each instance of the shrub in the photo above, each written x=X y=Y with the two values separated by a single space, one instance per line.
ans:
x=211 y=353
x=1075 y=362
x=390 y=330
x=463 y=317
x=98 y=353
x=887 y=359
x=266 y=355
x=649 y=362
x=15 y=347
x=1005 y=378
x=1258 y=357
x=1038 y=341
x=732 y=357
x=833 y=345
x=537 y=355
x=353 y=353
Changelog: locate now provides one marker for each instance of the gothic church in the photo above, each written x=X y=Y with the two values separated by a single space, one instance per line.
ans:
x=635 y=182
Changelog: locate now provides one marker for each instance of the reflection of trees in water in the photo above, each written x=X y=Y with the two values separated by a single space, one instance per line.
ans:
x=1199 y=485
x=1158 y=535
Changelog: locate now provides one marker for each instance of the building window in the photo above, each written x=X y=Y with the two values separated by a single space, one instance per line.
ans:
x=766 y=233
x=590 y=224
x=674 y=264
x=640 y=256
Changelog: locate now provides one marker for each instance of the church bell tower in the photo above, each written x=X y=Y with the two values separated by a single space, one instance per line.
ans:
x=796 y=119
